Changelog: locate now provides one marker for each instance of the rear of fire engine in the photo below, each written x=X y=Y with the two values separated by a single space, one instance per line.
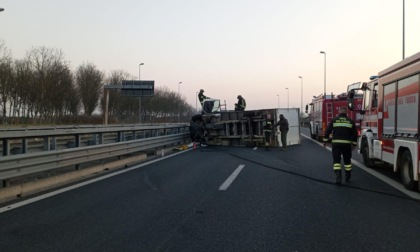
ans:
x=390 y=124
x=323 y=109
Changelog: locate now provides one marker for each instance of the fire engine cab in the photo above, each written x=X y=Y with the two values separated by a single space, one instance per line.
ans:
x=323 y=109
x=390 y=124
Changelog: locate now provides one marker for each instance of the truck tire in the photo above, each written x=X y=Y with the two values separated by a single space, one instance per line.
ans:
x=406 y=170
x=365 y=154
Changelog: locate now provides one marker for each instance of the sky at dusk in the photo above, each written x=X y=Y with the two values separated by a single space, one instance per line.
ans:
x=257 y=49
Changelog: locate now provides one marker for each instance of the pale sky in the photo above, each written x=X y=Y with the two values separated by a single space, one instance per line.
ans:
x=256 y=48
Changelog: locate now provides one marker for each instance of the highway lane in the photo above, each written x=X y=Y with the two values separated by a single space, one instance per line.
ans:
x=278 y=201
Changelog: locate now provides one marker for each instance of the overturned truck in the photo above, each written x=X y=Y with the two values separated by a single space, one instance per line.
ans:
x=240 y=128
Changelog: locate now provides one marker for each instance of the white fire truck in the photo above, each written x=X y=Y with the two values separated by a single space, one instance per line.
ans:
x=390 y=124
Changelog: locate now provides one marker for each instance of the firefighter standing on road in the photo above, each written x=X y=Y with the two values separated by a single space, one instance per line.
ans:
x=268 y=131
x=284 y=129
x=344 y=140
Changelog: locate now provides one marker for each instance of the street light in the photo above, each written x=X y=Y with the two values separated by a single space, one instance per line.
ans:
x=287 y=98
x=278 y=101
x=139 y=69
x=301 y=94
x=179 y=92
x=140 y=96
x=403 y=51
x=325 y=71
x=196 y=95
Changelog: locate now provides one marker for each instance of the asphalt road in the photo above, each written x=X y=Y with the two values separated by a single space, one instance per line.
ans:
x=220 y=199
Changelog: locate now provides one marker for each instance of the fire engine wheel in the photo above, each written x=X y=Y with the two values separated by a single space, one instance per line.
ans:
x=365 y=154
x=406 y=170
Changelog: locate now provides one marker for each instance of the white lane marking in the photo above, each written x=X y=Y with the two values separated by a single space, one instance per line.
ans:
x=378 y=175
x=47 y=195
x=231 y=178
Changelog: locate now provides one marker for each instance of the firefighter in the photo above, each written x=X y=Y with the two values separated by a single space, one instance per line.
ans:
x=201 y=96
x=284 y=129
x=268 y=131
x=241 y=105
x=344 y=140
x=208 y=105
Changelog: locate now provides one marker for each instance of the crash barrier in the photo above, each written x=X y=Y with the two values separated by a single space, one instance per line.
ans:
x=129 y=139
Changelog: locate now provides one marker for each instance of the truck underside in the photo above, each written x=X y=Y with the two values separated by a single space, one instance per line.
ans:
x=232 y=128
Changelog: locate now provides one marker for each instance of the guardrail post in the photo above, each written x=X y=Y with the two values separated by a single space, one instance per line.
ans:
x=77 y=139
x=101 y=138
x=120 y=136
x=53 y=145
x=24 y=146
x=5 y=183
x=6 y=147
x=46 y=143
x=50 y=143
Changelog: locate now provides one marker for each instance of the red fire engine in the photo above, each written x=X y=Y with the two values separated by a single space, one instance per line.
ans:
x=390 y=124
x=323 y=109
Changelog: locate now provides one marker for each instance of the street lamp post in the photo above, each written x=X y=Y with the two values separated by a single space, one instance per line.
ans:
x=179 y=93
x=301 y=94
x=196 y=95
x=403 y=28
x=325 y=72
x=141 y=64
x=287 y=98
x=140 y=96
x=278 y=101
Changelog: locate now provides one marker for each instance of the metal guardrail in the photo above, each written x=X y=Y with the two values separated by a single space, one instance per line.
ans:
x=126 y=139
x=21 y=165
x=18 y=140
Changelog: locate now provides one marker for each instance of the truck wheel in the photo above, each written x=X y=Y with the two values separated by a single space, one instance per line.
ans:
x=406 y=170
x=365 y=153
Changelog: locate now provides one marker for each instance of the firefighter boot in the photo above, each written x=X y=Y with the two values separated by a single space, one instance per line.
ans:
x=337 y=177
x=348 y=176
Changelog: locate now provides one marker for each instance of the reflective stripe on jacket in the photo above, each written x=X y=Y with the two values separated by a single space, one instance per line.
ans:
x=343 y=129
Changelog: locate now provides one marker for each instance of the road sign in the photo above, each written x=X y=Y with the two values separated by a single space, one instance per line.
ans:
x=137 y=93
x=135 y=88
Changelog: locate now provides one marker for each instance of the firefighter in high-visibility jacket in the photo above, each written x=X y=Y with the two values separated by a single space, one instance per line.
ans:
x=344 y=140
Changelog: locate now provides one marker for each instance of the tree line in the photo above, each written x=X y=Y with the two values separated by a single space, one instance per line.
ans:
x=41 y=88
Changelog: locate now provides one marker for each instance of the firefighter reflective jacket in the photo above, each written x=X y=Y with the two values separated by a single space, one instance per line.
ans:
x=343 y=130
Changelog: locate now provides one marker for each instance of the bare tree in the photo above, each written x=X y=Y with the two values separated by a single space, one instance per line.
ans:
x=89 y=84
x=22 y=80
x=6 y=78
x=48 y=66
